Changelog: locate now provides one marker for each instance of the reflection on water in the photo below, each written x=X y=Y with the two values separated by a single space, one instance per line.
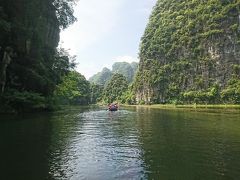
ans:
x=100 y=145
x=135 y=143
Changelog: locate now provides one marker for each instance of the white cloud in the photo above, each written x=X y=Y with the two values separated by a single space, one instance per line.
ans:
x=87 y=69
x=147 y=6
x=126 y=58
x=95 y=19
x=94 y=32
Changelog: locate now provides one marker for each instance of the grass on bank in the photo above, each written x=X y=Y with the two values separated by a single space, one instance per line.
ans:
x=191 y=106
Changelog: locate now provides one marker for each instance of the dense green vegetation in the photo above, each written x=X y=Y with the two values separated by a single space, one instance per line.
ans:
x=74 y=89
x=101 y=78
x=96 y=93
x=189 y=53
x=108 y=86
x=124 y=68
x=31 y=66
x=116 y=87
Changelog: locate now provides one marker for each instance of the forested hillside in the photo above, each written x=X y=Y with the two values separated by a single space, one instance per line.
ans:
x=115 y=88
x=31 y=65
x=101 y=78
x=126 y=69
x=190 y=53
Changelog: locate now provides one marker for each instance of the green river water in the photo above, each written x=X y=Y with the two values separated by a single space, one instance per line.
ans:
x=132 y=143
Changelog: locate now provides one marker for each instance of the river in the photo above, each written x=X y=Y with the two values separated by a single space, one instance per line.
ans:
x=132 y=143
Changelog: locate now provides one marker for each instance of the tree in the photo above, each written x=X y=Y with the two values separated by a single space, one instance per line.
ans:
x=74 y=89
x=115 y=88
x=96 y=93
x=64 y=11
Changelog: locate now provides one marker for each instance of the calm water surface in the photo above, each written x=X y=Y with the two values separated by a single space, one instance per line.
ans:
x=135 y=143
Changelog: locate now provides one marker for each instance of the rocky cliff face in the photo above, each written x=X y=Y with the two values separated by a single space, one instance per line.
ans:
x=30 y=28
x=189 y=47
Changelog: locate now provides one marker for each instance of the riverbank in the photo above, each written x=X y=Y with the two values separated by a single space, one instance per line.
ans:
x=194 y=107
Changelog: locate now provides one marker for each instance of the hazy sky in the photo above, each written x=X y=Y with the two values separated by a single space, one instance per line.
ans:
x=107 y=31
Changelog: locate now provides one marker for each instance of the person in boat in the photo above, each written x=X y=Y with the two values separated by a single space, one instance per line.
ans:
x=113 y=106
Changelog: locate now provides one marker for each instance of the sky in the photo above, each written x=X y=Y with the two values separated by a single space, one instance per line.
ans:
x=106 y=31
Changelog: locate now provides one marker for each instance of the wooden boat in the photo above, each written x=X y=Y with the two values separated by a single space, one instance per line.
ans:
x=112 y=107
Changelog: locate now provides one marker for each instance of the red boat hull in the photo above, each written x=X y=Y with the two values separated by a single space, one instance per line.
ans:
x=113 y=108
